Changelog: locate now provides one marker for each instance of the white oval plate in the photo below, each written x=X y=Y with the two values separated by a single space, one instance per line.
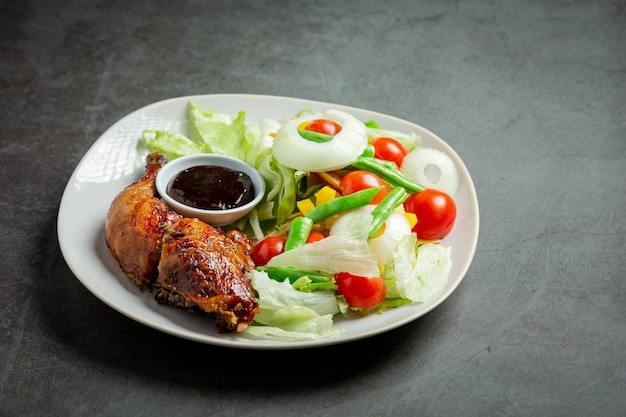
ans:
x=117 y=159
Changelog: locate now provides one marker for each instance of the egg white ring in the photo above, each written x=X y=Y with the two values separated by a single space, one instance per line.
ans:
x=293 y=151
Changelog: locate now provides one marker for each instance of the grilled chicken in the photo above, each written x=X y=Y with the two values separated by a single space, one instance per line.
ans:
x=135 y=225
x=203 y=267
x=184 y=261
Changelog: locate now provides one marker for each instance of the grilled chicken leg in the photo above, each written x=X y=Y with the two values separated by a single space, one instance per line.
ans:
x=135 y=225
x=184 y=262
x=203 y=267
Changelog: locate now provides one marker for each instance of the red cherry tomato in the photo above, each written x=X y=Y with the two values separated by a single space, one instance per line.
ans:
x=435 y=211
x=314 y=236
x=361 y=292
x=389 y=149
x=359 y=180
x=266 y=249
x=325 y=126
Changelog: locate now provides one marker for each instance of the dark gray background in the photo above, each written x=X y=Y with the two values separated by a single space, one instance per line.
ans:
x=532 y=95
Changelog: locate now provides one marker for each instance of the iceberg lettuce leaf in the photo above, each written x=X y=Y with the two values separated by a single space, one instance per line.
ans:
x=219 y=132
x=274 y=295
x=417 y=272
x=289 y=314
x=280 y=197
x=173 y=145
x=345 y=251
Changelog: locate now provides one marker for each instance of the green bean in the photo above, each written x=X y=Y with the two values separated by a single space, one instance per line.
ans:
x=278 y=273
x=299 y=231
x=315 y=136
x=384 y=209
x=388 y=174
x=390 y=165
x=344 y=203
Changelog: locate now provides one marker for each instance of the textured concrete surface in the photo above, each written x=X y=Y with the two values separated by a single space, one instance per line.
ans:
x=532 y=95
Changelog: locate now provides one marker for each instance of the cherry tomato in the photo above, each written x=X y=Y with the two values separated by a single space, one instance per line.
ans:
x=359 y=180
x=314 y=236
x=325 y=126
x=435 y=211
x=266 y=249
x=389 y=149
x=361 y=292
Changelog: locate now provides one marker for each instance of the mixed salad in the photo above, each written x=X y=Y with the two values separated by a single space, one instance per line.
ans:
x=352 y=219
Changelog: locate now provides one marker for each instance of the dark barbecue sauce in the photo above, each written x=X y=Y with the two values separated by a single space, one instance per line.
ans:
x=211 y=187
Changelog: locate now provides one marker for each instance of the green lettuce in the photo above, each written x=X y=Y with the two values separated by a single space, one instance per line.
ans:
x=174 y=145
x=218 y=132
x=281 y=190
x=289 y=314
x=417 y=272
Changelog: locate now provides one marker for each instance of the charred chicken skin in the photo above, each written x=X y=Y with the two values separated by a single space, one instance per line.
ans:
x=184 y=261
x=135 y=225
x=202 y=267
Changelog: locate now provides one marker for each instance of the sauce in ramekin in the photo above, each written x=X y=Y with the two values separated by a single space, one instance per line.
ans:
x=211 y=187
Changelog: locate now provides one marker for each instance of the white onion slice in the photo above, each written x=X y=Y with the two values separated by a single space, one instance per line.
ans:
x=431 y=168
x=383 y=246
x=293 y=151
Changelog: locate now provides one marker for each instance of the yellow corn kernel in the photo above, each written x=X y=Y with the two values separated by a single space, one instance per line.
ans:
x=412 y=218
x=305 y=206
x=303 y=125
x=325 y=194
